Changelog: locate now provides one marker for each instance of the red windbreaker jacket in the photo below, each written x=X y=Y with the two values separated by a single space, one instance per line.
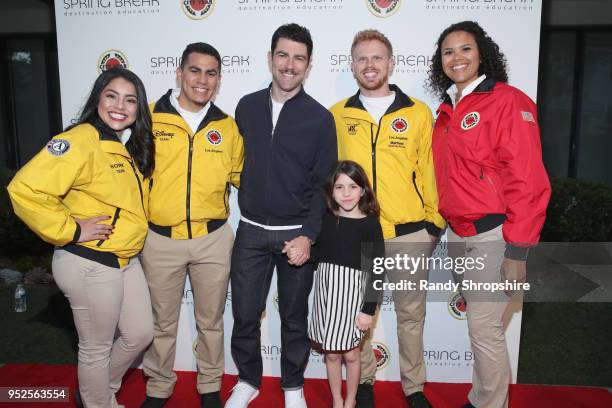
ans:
x=488 y=160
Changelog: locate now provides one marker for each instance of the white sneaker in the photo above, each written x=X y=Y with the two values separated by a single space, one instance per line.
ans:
x=294 y=399
x=242 y=395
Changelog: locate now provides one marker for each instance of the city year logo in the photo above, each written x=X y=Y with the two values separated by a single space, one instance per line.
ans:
x=382 y=354
x=470 y=120
x=112 y=59
x=198 y=9
x=58 y=147
x=383 y=8
x=457 y=306
x=352 y=128
x=399 y=125
x=214 y=137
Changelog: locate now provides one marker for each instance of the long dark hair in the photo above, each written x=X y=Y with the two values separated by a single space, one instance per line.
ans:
x=368 y=204
x=492 y=60
x=140 y=146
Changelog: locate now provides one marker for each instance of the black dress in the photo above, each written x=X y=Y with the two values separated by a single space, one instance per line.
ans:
x=340 y=281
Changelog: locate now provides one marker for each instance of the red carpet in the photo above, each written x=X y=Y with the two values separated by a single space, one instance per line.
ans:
x=388 y=394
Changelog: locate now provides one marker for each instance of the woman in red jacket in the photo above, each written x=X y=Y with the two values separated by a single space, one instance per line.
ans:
x=492 y=186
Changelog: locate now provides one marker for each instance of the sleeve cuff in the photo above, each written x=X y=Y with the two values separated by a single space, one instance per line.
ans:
x=77 y=234
x=369 y=308
x=516 y=253
x=432 y=229
x=308 y=233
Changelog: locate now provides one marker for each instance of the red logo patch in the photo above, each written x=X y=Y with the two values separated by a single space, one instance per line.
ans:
x=112 y=59
x=470 y=120
x=214 y=137
x=382 y=354
x=457 y=306
x=198 y=9
x=399 y=125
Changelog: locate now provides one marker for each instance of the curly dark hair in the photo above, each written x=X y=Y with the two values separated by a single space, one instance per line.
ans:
x=368 y=204
x=492 y=60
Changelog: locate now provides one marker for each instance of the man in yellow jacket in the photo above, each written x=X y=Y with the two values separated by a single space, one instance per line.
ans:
x=199 y=155
x=389 y=135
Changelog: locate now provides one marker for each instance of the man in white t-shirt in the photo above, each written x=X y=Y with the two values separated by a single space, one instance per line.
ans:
x=389 y=135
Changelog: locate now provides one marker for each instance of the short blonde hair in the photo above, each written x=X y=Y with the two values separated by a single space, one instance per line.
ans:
x=370 y=35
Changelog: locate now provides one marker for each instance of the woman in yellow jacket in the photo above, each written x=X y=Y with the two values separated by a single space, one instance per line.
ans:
x=86 y=193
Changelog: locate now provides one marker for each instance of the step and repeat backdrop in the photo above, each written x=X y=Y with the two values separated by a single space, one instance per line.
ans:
x=148 y=37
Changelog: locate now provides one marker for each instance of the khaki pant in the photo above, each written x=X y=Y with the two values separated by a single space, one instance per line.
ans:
x=491 y=372
x=104 y=299
x=410 y=314
x=166 y=262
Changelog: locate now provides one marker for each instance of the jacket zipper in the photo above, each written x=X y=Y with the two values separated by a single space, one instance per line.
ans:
x=416 y=188
x=139 y=186
x=188 y=199
x=271 y=117
x=374 y=140
x=115 y=218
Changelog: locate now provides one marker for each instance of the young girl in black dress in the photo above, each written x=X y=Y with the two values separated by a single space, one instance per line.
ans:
x=344 y=301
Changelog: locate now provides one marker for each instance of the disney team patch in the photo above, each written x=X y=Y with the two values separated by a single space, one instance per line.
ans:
x=470 y=120
x=58 y=147
x=399 y=125
x=214 y=137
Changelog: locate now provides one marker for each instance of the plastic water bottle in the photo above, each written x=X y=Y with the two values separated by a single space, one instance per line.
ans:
x=21 y=304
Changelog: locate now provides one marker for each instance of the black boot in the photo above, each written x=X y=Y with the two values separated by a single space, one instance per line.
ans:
x=418 y=400
x=365 y=396
x=211 y=400
x=154 y=402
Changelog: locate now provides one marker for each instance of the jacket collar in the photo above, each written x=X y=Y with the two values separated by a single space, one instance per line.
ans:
x=300 y=93
x=401 y=101
x=485 y=86
x=104 y=131
x=163 y=105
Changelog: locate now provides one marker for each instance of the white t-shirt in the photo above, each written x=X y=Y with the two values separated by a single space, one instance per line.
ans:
x=377 y=106
x=276 y=108
x=193 y=119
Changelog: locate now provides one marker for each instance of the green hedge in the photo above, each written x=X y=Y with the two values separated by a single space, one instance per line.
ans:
x=16 y=239
x=579 y=211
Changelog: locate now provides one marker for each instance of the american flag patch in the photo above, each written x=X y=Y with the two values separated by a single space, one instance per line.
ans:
x=527 y=116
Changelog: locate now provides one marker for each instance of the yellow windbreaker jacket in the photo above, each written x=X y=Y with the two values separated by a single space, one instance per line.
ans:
x=396 y=155
x=193 y=172
x=83 y=173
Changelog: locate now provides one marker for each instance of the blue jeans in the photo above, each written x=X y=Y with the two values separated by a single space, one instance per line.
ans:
x=256 y=252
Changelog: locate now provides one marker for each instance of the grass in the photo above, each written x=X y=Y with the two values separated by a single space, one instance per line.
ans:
x=561 y=343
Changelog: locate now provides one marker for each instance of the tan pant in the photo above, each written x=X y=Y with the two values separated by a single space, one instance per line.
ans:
x=410 y=314
x=104 y=299
x=491 y=372
x=166 y=262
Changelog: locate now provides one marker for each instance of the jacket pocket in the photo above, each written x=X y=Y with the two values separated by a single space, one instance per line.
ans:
x=417 y=189
x=115 y=218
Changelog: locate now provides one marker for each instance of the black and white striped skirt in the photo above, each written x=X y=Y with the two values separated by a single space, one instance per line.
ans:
x=338 y=299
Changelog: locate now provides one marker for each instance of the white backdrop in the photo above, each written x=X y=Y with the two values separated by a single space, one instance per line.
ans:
x=148 y=37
